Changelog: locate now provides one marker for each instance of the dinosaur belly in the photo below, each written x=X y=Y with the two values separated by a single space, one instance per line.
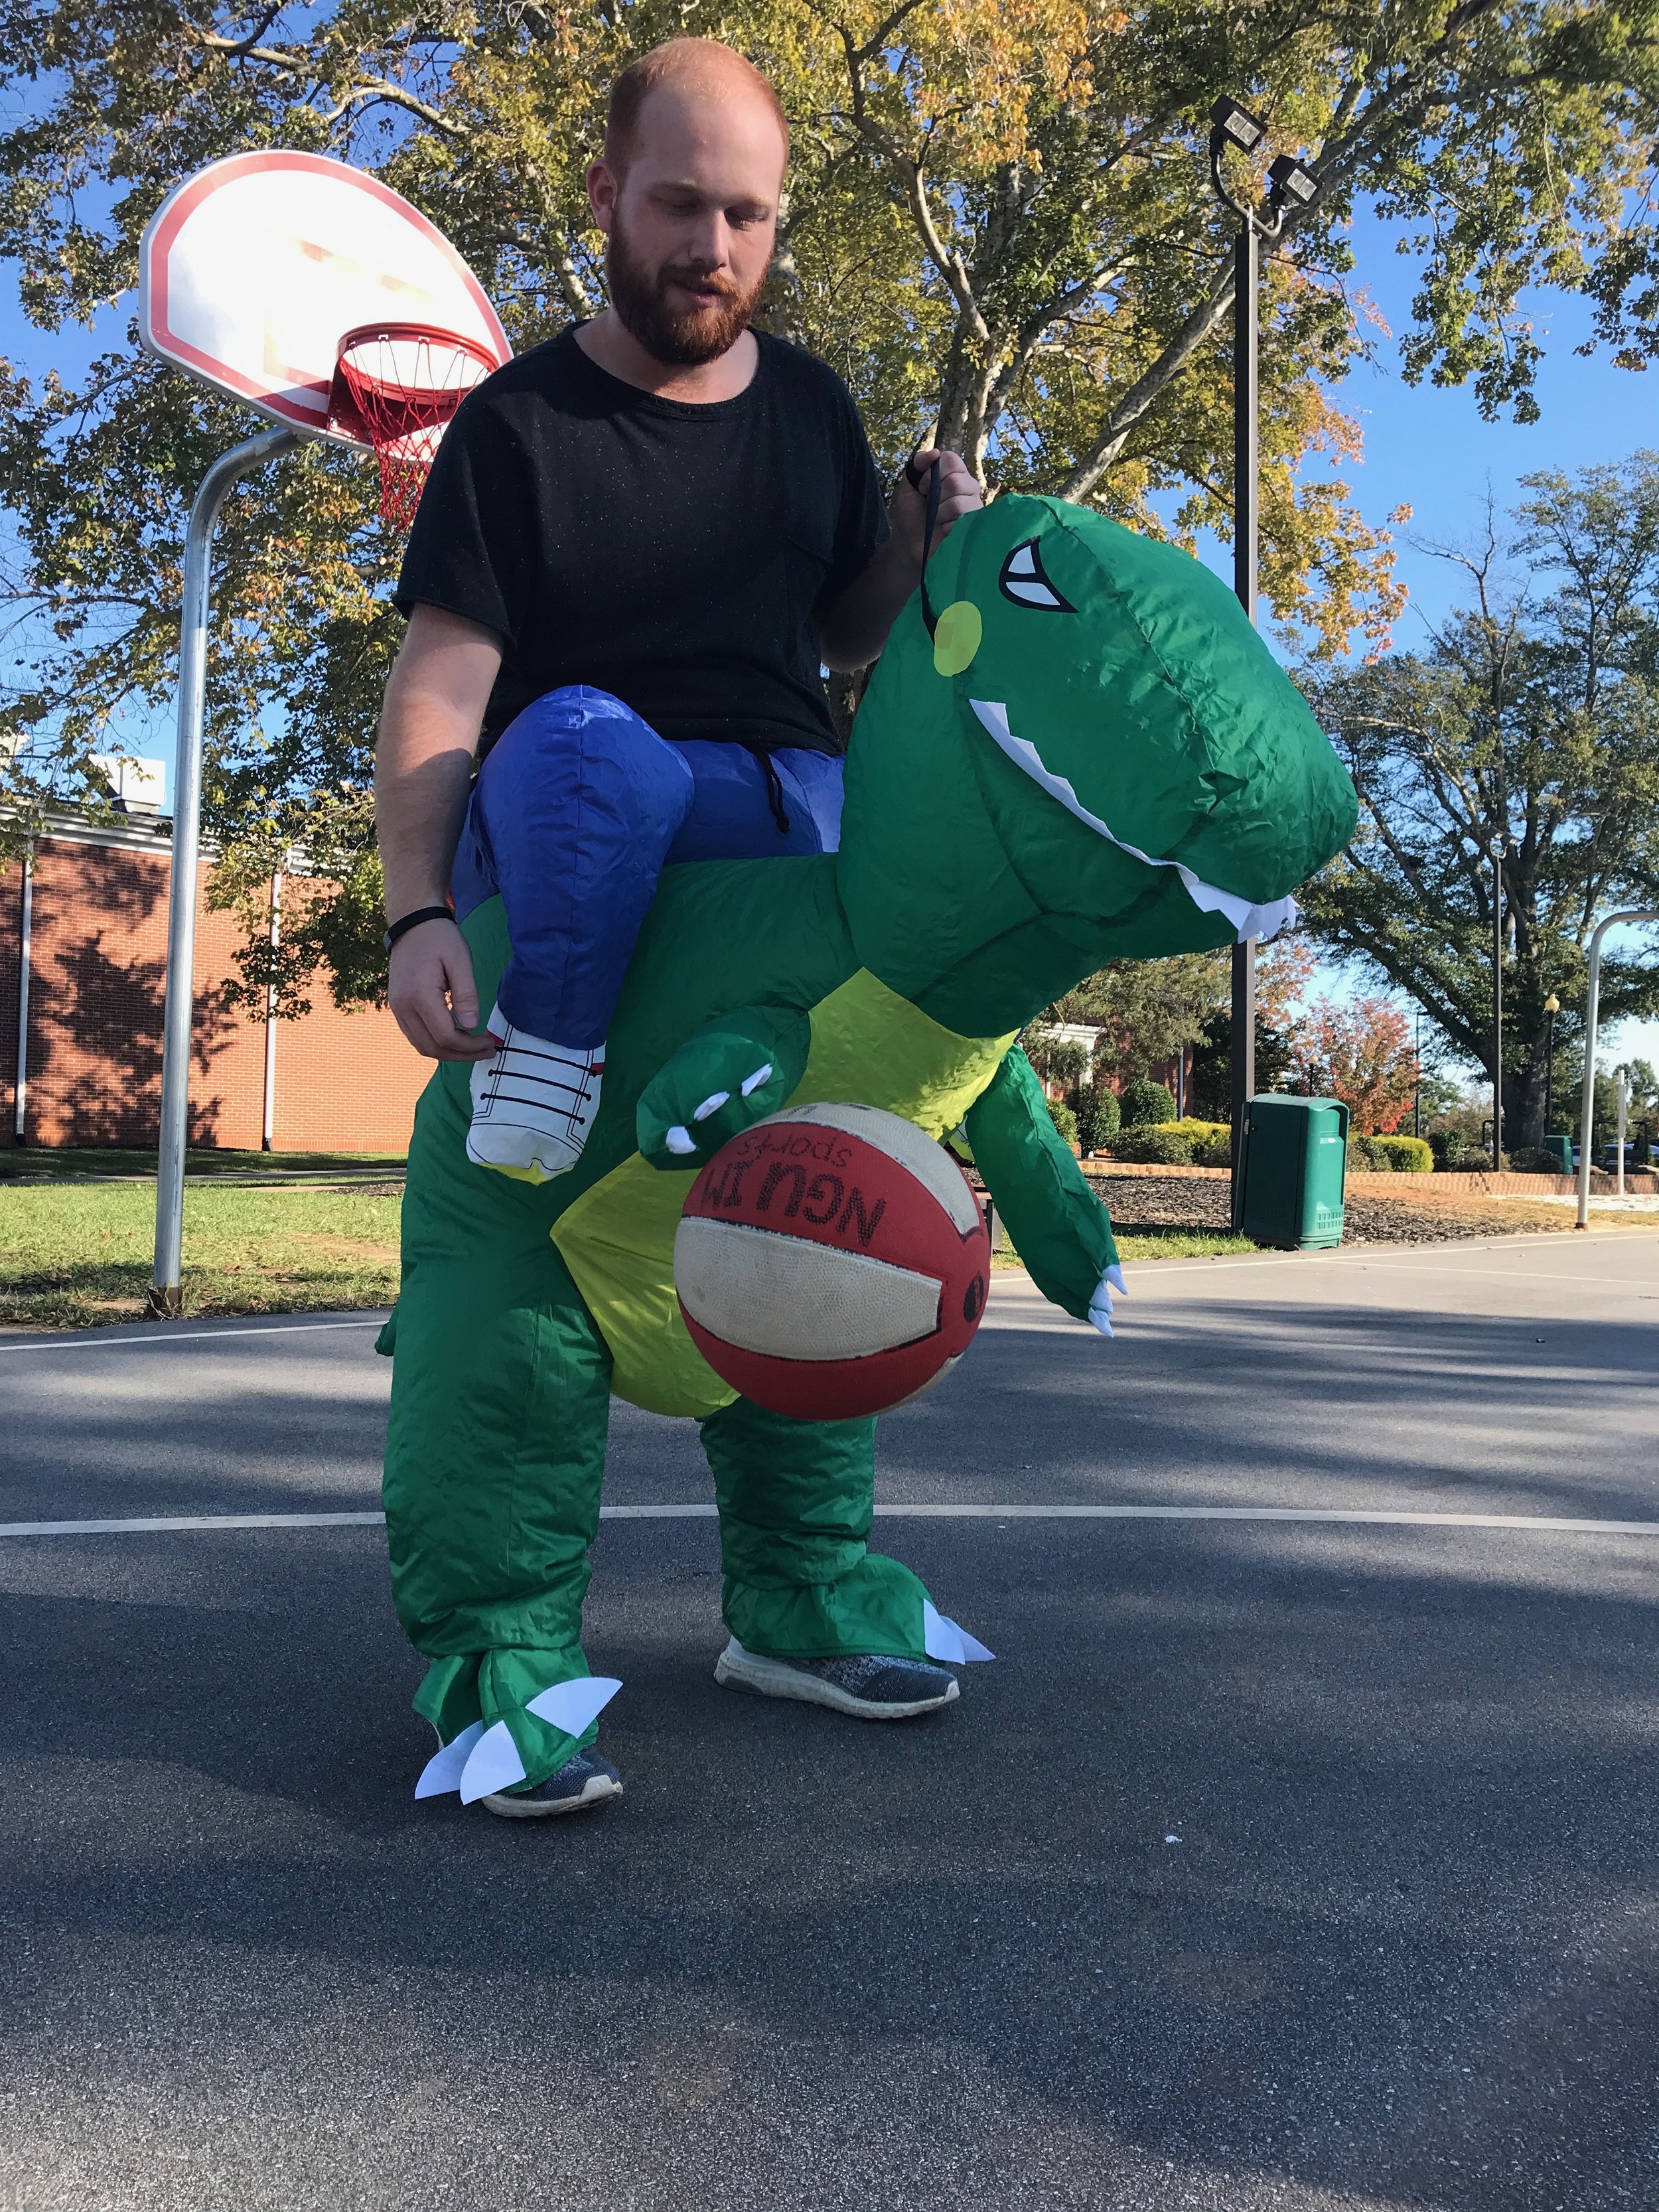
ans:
x=870 y=1048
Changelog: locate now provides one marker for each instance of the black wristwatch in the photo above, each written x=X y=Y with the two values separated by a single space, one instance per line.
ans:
x=401 y=928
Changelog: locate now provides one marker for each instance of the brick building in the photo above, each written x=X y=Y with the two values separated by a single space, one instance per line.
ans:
x=86 y=932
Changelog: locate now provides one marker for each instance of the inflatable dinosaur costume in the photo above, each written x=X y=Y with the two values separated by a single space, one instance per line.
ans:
x=1086 y=754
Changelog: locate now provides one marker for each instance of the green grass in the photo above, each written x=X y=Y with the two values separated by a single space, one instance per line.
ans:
x=80 y=1256
x=30 y=1163
x=1162 y=1244
x=1181 y=1244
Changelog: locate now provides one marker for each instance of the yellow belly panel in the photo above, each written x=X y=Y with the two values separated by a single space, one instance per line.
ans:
x=617 y=1238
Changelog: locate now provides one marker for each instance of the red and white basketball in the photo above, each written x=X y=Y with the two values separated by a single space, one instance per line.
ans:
x=831 y=1261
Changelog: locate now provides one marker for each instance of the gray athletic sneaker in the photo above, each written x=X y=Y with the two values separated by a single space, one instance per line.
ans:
x=872 y=1688
x=580 y=1784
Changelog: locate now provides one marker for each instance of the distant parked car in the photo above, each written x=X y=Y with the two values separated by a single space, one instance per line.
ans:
x=1637 y=1157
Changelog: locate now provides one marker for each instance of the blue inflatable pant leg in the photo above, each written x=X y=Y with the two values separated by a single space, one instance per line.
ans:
x=579 y=807
x=575 y=807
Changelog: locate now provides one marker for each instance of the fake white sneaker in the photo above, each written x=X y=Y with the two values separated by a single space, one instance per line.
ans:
x=533 y=1104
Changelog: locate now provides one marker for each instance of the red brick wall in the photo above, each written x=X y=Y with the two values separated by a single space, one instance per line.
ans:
x=345 y=1082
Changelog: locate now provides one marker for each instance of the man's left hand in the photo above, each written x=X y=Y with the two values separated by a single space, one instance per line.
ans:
x=958 y=495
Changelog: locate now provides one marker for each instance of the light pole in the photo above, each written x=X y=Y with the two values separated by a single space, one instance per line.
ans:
x=1552 y=1008
x=1291 y=184
x=1592 y=1014
x=1497 y=847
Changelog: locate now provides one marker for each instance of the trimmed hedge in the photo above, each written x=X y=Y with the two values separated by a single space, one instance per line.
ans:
x=1404 y=1155
x=1200 y=1132
x=1144 y=1103
x=1533 y=1159
x=1153 y=1145
x=1063 y=1118
x=1098 y=1116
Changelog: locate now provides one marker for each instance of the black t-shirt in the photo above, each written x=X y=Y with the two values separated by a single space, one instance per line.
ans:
x=676 y=556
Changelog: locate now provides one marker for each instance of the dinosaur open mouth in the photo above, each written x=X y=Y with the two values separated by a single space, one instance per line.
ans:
x=1246 y=919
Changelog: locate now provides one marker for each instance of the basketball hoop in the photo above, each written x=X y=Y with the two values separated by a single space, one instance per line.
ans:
x=396 y=386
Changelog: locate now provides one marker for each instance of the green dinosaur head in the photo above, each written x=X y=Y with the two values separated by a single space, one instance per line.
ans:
x=1088 y=754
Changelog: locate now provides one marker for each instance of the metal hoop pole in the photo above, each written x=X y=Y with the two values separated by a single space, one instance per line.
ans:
x=1592 y=1009
x=166 y=1297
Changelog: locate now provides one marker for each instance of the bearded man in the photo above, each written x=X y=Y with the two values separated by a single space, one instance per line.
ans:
x=639 y=545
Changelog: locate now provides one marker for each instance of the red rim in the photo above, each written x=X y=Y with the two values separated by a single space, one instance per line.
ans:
x=358 y=395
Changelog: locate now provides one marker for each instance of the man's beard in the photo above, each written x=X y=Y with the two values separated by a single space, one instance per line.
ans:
x=679 y=338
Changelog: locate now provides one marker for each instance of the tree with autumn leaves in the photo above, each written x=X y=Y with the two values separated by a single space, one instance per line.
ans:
x=1361 y=1053
x=999 y=229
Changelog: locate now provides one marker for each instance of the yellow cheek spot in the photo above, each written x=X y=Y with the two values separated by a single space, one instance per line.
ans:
x=956 y=640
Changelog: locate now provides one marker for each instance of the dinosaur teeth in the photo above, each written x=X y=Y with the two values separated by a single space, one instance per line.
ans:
x=1247 y=920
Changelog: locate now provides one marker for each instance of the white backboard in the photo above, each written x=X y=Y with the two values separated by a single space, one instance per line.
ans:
x=251 y=270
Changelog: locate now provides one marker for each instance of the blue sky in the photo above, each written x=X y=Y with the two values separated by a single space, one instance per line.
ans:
x=1426 y=447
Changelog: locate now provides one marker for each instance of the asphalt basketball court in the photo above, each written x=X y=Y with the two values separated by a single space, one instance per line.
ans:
x=1297 y=1852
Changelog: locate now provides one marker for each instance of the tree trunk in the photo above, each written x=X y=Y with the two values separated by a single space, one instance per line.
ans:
x=1523 y=1099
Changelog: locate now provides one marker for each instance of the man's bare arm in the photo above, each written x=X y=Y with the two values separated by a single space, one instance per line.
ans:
x=434 y=704
x=853 y=631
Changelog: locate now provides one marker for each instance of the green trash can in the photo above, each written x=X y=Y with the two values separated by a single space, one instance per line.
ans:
x=1293 y=1161
x=1561 y=1149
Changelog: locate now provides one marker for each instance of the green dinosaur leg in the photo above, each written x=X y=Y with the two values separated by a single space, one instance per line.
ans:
x=796 y=1502
x=494 y=1451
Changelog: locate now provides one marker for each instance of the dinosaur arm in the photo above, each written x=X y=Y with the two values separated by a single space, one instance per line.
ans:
x=1059 y=1228
x=736 y=1070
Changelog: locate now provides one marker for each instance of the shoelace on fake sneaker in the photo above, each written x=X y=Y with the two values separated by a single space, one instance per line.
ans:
x=509 y=1066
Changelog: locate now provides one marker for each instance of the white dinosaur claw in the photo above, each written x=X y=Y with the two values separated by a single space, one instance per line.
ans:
x=945 y=1639
x=1114 y=1279
x=711 y=1105
x=752 y=1083
x=1101 y=1317
x=494 y=1764
x=1100 y=1306
x=442 y=1771
x=680 y=1139
x=572 y=1705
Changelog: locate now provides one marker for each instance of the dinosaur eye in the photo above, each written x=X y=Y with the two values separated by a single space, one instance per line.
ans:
x=1023 y=580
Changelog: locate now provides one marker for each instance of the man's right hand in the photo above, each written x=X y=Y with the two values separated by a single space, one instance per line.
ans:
x=433 y=994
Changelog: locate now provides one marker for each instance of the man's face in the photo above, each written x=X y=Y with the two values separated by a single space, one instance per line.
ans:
x=690 y=225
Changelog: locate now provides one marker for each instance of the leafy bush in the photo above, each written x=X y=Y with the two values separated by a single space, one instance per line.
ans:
x=1533 y=1159
x=1455 y=1152
x=1214 y=1151
x=1098 y=1116
x=1200 y=1132
x=1364 y=1159
x=1063 y=1118
x=1161 y=1147
x=1144 y=1103
x=1404 y=1155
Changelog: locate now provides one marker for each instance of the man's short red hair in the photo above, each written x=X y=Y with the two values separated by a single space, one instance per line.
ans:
x=703 y=63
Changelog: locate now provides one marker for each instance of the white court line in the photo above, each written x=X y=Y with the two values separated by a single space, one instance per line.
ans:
x=139 y=1339
x=1364 y=1517
x=1365 y=1255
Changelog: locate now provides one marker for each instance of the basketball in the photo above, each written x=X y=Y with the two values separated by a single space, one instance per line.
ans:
x=831 y=1262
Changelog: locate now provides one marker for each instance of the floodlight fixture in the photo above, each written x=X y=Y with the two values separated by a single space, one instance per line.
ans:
x=1292 y=182
x=1235 y=125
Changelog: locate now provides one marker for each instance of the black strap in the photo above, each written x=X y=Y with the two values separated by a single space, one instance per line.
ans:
x=935 y=489
x=408 y=921
x=762 y=753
